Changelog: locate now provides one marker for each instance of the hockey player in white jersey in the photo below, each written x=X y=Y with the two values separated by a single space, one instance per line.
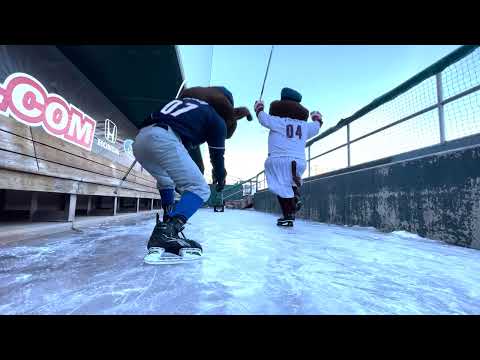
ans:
x=285 y=165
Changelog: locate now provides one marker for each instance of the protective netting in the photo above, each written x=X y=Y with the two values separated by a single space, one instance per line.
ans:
x=461 y=75
x=249 y=188
x=262 y=182
x=418 y=98
x=461 y=118
x=400 y=138
x=330 y=142
x=332 y=161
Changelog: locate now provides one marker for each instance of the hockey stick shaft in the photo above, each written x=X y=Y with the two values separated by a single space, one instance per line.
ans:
x=266 y=72
x=296 y=179
x=125 y=177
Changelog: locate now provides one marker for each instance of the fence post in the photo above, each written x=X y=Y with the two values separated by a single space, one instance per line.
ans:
x=309 y=161
x=348 y=145
x=441 y=116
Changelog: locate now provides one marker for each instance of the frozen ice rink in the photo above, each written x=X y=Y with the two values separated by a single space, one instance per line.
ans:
x=250 y=267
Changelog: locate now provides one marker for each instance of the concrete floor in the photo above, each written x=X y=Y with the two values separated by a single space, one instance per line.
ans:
x=21 y=231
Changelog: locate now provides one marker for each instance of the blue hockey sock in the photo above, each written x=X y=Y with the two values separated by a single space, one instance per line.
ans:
x=188 y=205
x=167 y=196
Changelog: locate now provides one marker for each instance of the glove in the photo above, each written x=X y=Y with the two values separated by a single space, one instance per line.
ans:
x=219 y=182
x=258 y=106
x=317 y=116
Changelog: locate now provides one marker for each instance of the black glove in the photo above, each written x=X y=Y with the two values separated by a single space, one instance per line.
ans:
x=219 y=181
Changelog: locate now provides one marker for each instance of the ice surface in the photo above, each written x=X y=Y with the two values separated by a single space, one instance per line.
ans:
x=250 y=267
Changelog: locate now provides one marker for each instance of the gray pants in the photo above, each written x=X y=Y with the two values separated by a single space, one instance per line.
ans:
x=163 y=155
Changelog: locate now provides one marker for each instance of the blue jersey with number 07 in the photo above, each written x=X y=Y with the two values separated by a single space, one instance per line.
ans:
x=196 y=122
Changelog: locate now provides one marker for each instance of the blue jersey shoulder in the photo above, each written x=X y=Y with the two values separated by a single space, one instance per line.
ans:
x=194 y=120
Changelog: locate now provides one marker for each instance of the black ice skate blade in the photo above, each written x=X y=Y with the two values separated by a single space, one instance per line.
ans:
x=285 y=224
x=165 y=258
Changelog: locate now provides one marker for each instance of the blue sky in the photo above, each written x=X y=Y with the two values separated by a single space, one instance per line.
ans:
x=337 y=80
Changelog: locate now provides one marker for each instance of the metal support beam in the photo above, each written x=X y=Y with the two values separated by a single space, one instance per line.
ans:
x=348 y=146
x=441 y=115
x=309 y=162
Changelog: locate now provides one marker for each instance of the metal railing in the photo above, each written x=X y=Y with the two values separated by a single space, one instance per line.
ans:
x=439 y=104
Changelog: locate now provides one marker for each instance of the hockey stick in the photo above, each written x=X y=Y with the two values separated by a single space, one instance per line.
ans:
x=135 y=161
x=296 y=179
x=266 y=72
x=123 y=179
x=296 y=190
x=34 y=149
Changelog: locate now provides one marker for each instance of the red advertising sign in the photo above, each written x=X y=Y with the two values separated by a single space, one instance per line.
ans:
x=25 y=99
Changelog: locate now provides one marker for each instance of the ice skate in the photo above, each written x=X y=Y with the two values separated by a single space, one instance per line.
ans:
x=288 y=212
x=286 y=221
x=167 y=247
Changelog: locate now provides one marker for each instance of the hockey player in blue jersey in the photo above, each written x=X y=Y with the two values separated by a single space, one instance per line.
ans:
x=201 y=114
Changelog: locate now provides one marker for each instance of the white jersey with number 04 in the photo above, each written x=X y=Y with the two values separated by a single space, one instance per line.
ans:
x=287 y=136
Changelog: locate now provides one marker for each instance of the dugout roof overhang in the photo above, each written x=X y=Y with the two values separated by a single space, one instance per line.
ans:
x=134 y=78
